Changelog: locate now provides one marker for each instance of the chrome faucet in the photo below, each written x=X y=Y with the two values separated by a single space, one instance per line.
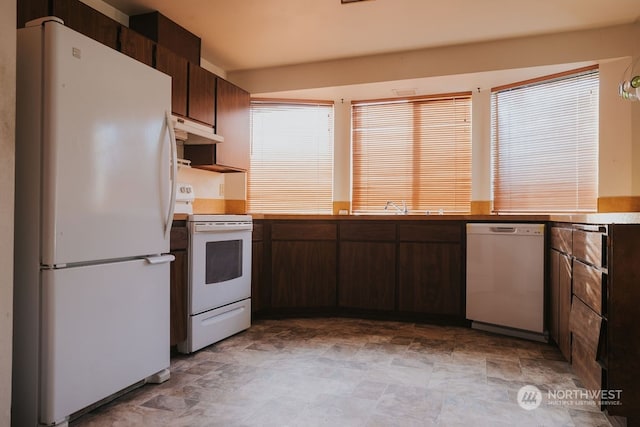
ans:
x=403 y=210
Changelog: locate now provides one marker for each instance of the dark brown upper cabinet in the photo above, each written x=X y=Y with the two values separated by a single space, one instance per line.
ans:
x=177 y=67
x=202 y=93
x=233 y=123
x=136 y=46
x=75 y=14
x=167 y=33
x=88 y=21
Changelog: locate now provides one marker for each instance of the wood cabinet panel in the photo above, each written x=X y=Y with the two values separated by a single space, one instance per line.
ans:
x=368 y=231
x=587 y=285
x=179 y=238
x=623 y=327
x=303 y=274
x=561 y=239
x=430 y=278
x=87 y=21
x=585 y=327
x=304 y=231
x=258 y=232
x=136 y=46
x=554 y=295
x=177 y=67
x=367 y=275
x=233 y=123
x=257 y=274
x=585 y=324
x=28 y=10
x=585 y=365
x=564 y=307
x=560 y=301
x=589 y=246
x=178 y=297
x=202 y=92
x=167 y=33
x=445 y=232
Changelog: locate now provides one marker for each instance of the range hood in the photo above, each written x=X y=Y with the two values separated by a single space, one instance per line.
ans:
x=190 y=132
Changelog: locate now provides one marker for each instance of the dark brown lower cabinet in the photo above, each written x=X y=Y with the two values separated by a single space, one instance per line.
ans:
x=178 y=282
x=257 y=268
x=367 y=275
x=367 y=265
x=178 y=295
x=560 y=301
x=303 y=265
x=429 y=277
x=430 y=273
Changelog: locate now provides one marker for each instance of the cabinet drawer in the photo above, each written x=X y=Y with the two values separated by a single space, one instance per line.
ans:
x=585 y=365
x=368 y=231
x=587 y=285
x=585 y=325
x=561 y=239
x=303 y=231
x=430 y=232
x=179 y=238
x=589 y=247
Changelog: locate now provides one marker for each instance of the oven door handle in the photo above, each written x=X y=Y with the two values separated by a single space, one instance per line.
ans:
x=210 y=228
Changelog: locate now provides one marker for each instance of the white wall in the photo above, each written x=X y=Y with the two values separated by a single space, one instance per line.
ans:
x=481 y=145
x=7 y=163
x=615 y=163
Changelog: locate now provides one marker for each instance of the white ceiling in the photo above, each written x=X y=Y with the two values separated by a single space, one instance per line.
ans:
x=249 y=34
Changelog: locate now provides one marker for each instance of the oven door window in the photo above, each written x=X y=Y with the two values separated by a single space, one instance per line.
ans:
x=223 y=261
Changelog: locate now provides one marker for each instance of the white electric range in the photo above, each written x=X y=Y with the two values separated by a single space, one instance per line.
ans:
x=219 y=271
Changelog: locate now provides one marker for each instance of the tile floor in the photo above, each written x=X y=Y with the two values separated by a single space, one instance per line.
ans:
x=351 y=372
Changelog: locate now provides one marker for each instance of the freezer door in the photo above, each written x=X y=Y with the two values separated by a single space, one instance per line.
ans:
x=106 y=152
x=104 y=328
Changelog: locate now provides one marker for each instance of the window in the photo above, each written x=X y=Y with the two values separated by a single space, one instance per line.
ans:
x=291 y=168
x=417 y=150
x=545 y=144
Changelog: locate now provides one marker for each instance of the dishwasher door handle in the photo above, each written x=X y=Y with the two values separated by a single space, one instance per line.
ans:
x=503 y=229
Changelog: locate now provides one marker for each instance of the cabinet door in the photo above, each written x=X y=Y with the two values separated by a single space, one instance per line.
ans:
x=564 y=305
x=367 y=275
x=136 y=46
x=560 y=301
x=87 y=21
x=178 y=294
x=554 y=291
x=177 y=67
x=430 y=278
x=232 y=122
x=303 y=274
x=202 y=92
x=303 y=265
x=257 y=268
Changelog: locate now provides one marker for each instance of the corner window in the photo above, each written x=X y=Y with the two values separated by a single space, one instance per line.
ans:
x=544 y=136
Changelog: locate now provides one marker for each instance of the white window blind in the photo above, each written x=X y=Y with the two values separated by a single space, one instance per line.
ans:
x=417 y=150
x=545 y=144
x=291 y=169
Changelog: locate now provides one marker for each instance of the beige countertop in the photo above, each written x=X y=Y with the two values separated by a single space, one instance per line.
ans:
x=595 y=218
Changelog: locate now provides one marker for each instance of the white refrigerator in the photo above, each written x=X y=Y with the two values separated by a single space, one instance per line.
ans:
x=95 y=168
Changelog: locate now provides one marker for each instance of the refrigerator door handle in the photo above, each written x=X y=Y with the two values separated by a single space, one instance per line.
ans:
x=174 y=173
x=160 y=259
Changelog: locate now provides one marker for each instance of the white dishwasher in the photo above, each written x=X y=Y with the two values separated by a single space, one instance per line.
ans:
x=505 y=279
